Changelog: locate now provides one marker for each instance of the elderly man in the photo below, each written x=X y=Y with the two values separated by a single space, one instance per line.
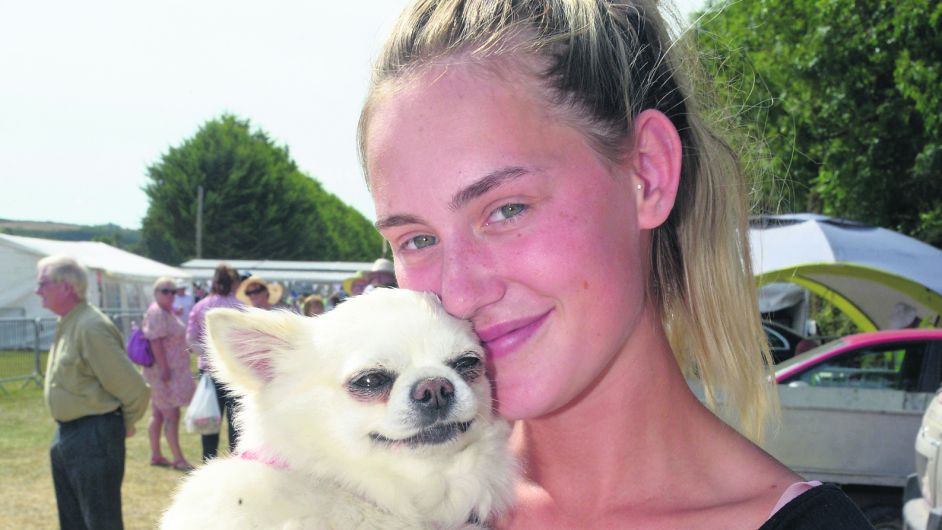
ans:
x=94 y=394
x=383 y=274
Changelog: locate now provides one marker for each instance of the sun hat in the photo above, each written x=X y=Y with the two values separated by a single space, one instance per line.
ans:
x=182 y=284
x=383 y=265
x=274 y=289
x=382 y=275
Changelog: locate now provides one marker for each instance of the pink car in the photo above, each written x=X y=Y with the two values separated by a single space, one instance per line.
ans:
x=851 y=410
x=895 y=359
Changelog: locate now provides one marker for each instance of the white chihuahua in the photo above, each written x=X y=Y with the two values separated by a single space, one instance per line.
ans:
x=374 y=415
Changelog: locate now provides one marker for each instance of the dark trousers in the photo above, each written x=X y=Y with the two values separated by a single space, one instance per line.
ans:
x=87 y=457
x=226 y=405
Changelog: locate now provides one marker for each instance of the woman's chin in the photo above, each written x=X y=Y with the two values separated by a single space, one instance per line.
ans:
x=514 y=404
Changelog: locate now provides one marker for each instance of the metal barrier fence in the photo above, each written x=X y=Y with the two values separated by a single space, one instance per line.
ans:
x=24 y=342
x=124 y=319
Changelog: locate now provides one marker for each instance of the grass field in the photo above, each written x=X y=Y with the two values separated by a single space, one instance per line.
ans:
x=28 y=500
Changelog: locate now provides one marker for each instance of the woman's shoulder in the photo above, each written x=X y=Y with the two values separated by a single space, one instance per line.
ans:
x=733 y=479
x=216 y=300
x=153 y=312
x=203 y=302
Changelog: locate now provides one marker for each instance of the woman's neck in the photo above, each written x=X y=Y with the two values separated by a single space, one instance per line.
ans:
x=621 y=437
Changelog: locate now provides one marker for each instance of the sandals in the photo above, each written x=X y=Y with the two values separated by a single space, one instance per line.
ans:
x=182 y=465
x=160 y=462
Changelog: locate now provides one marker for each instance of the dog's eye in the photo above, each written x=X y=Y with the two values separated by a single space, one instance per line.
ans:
x=371 y=381
x=371 y=386
x=468 y=366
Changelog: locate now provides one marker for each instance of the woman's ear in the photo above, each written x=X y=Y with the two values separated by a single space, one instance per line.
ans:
x=655 y=167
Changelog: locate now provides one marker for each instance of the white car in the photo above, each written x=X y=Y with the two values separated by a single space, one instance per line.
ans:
x=923 y=496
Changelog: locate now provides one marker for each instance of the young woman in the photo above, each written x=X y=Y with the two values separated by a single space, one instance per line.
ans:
x=540 y=165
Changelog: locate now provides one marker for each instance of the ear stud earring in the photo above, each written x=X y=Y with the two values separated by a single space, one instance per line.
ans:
x=639 y=186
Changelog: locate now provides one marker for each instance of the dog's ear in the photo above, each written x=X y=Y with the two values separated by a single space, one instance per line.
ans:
x=244 y=346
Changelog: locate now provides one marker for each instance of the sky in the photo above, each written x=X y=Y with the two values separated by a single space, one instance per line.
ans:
x=94 y=92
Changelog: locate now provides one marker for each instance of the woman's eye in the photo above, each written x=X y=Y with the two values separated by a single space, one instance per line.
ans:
x=506 y=212
x=418 y=242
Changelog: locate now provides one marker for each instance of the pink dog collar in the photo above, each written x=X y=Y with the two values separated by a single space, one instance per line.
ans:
x=259 y=456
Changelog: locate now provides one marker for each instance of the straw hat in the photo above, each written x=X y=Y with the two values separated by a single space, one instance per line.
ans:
x=347 y=285
x=274 y=290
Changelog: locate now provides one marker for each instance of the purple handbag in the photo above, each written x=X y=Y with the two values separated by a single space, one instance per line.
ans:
x=139 y=348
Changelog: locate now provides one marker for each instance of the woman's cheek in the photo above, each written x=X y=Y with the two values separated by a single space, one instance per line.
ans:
x=418 y=277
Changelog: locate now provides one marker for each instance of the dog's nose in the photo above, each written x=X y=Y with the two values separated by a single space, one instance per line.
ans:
x=434 y=395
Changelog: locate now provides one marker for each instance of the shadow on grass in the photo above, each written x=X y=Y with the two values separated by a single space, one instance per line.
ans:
x=26 y=481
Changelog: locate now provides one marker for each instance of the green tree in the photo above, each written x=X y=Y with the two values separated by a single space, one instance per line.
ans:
x=845 y=98
x=257 y=203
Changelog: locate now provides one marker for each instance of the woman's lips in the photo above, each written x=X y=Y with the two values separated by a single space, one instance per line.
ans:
x=503 y=339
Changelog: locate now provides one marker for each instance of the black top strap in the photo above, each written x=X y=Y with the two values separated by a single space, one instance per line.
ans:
x=824 y=507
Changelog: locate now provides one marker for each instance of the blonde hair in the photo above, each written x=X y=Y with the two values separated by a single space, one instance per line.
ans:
x=165 y=280
x=601 y=63
x=61 y=268
x=310 y=302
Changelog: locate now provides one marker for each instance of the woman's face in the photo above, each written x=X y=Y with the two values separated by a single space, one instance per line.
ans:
x=164 y=295
x=516 y=223
x=314 y=309
x=258 y=295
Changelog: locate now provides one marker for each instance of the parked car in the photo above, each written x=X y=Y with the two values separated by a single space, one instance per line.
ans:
x=851 y=409
x=785 y=342
x=893 y=360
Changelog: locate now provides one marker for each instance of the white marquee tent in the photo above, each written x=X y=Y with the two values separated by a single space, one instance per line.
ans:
x=309 y=273
x=119 y=281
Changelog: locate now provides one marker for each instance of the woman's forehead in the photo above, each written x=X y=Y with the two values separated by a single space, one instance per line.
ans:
x=426 y=125
x=408 y=97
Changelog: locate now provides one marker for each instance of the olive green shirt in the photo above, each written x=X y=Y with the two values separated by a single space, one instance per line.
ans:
x=88 y=371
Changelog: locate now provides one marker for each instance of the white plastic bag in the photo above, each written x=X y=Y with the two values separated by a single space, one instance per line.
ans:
x=203 y=415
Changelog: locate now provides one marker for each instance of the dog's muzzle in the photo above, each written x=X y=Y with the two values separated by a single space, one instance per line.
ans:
x=432 y=400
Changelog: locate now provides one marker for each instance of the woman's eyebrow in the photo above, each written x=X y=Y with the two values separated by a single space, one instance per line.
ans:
x=485 y=184
x=466 y=194
x=396 y=220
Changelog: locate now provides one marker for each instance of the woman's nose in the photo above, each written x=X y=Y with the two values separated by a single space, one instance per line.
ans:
x=470 y=277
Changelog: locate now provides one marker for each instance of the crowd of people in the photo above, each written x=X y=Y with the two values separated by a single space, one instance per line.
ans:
x=254 y=291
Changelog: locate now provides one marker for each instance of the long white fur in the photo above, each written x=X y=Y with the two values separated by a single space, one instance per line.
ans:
x=290 y=373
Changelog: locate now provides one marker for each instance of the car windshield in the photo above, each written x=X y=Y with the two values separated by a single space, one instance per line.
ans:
x=810 y=353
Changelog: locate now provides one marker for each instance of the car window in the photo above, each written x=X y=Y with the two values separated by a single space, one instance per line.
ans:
x=885 y=366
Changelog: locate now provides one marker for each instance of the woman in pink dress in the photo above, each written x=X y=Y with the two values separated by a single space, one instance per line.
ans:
x=169 y=377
